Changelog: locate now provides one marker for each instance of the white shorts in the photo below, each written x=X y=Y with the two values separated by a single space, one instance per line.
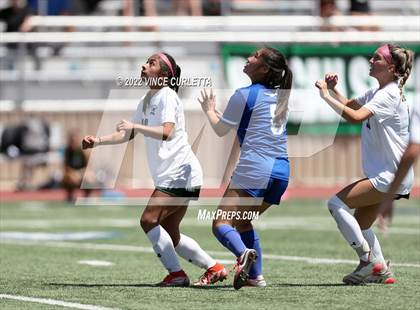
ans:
x=382 y=184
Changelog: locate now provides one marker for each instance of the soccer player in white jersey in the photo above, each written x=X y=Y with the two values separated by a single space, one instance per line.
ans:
x=176 y=171
x=384 y=115
x=407 y=160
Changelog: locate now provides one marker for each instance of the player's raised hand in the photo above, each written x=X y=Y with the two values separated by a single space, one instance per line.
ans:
x=208 y=102
x=331 y=79
x=323 y=88
x=125 y=125
x=89 y=142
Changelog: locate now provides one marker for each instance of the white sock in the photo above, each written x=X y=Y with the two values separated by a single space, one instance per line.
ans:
x=374 y=244
x=349 y=227
x=164 y=248
x=191 y=251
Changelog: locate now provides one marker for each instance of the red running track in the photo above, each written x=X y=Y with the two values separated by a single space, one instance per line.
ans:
x=295 y=192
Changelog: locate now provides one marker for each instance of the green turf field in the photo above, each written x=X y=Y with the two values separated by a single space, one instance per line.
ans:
x=296 y=235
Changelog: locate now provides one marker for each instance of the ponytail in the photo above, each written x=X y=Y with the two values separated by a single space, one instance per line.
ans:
x=174 y=81
x=279 y=77
x=403 y=60
x=283 y=94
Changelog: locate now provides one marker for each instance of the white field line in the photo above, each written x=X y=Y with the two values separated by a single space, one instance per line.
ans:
x=141 y=249
x=270 y=223
x=99 y=263
x=54 y=302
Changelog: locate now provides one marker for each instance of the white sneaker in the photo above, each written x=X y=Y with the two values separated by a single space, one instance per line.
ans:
x=383 y=275
x=259 y=281
x=362 y=272
x=242 y=268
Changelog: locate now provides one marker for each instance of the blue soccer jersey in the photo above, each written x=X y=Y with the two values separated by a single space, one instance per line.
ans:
x=263 y=145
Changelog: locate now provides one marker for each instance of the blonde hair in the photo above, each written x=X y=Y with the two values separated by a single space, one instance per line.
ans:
x=402 y=58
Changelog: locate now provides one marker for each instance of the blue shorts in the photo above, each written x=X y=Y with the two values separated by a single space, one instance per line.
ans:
x=272 y=194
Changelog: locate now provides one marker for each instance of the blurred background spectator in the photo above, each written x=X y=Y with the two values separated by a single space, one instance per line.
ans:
x=361 y=8
x=212 y=7
x=51 y=7
x=75 y=162
x=85 y=7
x=28 y=141
x=188 y=7
x=17 y=18
x=328 y=9
x=140 y=8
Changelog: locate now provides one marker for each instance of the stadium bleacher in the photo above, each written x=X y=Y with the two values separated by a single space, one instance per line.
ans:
x=78 y=68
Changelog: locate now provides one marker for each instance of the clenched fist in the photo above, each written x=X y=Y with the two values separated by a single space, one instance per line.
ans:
x=89 y=142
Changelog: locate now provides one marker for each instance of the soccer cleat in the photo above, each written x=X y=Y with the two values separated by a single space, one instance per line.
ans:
x=259 y=281
x=178 y=278
x=362 y=272
x=242 y=268
x=212 y=275
x=382 y=274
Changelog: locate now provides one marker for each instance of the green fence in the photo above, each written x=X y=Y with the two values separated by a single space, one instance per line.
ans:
x=349 y=60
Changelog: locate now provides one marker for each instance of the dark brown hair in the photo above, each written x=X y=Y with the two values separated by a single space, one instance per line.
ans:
x=173 y=78
x=279 y=77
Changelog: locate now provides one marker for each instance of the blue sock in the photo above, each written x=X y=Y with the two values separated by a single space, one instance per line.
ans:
x=252 y=241
x=230 y=238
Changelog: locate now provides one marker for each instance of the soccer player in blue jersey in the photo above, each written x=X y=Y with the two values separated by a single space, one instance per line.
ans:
x=258 y=113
